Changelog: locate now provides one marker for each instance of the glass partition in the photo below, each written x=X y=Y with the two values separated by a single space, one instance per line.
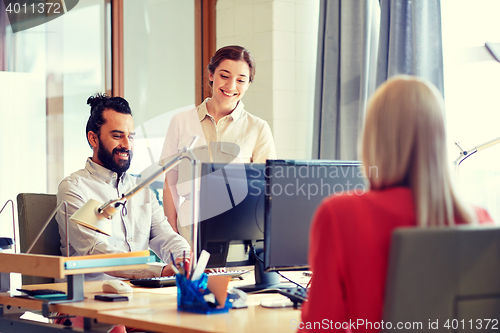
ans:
x=159 y=71
x=46 y=75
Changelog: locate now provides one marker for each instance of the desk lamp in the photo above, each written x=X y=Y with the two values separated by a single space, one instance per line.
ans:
x=6 y=243
x=494 y=49
x=466 y=153
x=96 y=216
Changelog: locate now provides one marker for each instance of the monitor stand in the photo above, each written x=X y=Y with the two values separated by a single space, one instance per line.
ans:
x=264 y=281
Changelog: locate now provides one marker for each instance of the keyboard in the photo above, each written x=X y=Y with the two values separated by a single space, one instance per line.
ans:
x=167 y=281
x=37 y=292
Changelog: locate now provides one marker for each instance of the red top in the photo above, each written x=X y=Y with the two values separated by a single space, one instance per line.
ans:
x=349 y=251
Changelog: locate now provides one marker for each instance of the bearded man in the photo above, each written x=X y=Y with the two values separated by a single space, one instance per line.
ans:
x=141 y=224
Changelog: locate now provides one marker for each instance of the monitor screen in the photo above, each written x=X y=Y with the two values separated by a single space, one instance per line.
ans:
x=294 y=189
x=231 y=212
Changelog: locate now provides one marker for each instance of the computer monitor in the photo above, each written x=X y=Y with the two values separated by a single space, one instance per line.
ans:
x=294 y=189
x=231 y=212
x=243 y=204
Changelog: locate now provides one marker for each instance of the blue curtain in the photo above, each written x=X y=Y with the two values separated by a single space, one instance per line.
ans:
x=345 y=76
x=411 y=40
x=361 y=44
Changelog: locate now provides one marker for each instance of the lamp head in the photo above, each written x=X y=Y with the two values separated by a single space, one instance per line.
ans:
x=90 y=216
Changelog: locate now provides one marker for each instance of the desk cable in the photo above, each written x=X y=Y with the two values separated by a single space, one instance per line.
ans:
x=279 y=273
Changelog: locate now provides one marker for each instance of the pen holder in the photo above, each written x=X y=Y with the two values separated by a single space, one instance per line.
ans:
x=190 y=296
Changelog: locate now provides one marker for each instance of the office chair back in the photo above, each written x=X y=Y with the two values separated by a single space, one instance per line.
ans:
x=33 y=211
x=443 y=276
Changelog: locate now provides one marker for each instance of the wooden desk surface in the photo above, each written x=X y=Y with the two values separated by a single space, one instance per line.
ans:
x=166 y=318
x=155 y=309
x=141 y=297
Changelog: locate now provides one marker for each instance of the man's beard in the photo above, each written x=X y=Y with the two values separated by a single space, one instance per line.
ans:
x=107 y=159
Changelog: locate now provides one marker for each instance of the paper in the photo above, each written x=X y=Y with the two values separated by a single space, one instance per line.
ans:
x=202 y=264
x=217 y=284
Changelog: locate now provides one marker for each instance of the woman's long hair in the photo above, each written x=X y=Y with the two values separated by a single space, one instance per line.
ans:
x=404 y=139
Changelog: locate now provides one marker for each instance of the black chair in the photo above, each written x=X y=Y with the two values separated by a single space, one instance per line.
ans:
x=444 y=276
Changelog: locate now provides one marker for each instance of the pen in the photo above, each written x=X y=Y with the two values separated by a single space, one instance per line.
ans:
x=191 y=268
x=174 y=266
x=181 y=268
x=184 y=263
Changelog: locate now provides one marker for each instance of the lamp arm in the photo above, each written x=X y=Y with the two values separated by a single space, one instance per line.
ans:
x=166 y=167
x=109 y=208
x=488 y=144
x=466 y=153
x=194 y=207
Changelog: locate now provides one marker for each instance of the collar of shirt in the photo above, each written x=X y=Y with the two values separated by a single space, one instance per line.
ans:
x=106 y=175
x=203 y=111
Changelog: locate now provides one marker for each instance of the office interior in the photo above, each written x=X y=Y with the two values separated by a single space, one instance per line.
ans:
x=151 y=52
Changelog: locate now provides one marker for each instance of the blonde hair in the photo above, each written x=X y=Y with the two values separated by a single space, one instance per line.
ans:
x=404 y=139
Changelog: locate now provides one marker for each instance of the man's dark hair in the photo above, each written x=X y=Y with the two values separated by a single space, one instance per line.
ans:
x=98 y=104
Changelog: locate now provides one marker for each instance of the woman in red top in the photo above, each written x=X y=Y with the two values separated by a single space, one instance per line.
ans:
x=405 y=161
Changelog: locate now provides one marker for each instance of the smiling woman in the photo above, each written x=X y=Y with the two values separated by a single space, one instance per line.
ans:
x=231 y=70
x=227 y=131
x=229 y=82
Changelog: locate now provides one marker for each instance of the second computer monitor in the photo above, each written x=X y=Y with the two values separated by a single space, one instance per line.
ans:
x=294 y=189
x=231 y=212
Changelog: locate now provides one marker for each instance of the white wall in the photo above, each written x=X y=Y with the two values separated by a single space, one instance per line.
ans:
x=282 y=37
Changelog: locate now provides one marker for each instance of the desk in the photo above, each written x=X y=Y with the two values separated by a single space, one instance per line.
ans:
x=155 y=309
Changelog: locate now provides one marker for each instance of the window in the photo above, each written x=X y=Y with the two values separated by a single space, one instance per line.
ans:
x=472 y=83
x=46 y=76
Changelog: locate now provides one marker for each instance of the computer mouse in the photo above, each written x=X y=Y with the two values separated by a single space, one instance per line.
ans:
x=116 y=287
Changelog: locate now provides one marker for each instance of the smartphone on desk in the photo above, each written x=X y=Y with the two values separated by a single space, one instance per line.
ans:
x=111 y=298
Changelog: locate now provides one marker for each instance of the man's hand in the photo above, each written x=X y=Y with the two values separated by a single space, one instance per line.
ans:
x=169 y=271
